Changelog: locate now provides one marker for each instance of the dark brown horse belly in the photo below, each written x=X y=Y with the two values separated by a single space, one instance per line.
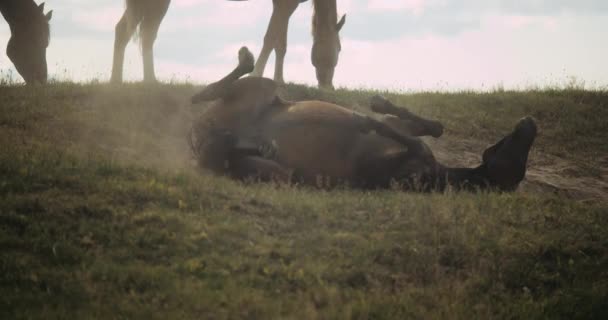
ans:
x=320 y=139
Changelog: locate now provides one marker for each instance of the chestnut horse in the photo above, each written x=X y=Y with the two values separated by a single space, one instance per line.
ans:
x=249 y=132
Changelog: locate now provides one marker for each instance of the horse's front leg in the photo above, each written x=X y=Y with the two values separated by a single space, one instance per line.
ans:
x=149 y=29
x=276 y=38
x=124 y=31
x=403 y=120
x=220 y=88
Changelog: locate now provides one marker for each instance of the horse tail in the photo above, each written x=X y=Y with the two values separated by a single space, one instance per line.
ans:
x=135 y=12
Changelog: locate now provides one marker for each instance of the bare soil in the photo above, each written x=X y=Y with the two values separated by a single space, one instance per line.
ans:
x=546 y=173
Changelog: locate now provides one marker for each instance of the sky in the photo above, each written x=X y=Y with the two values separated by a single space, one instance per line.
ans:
x=404 y=45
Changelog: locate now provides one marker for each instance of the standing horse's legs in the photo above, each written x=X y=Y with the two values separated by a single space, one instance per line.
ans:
x=124 y=32
x=279 y=52
x=276 y=38
x=260 y=65
x=414 y=125
x=220 y=88
x=149 y=29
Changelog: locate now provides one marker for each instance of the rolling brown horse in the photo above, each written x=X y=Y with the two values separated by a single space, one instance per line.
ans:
x=30 y=35
x=249 y=132
x=326 y=40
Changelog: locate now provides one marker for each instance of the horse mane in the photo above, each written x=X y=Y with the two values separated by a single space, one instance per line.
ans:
x=325 y=7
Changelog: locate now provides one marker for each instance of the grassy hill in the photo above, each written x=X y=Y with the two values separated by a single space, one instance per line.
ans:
x=103 y=214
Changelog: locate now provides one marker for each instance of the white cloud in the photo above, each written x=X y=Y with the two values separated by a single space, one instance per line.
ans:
x=416 y=7
x=100 y=19
x=496 y=55
x=192 y=14
x=503 y=47
x=548 y=23
x=188 y=3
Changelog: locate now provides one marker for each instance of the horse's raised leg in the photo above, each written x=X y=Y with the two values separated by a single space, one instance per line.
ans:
x=124 y=31
x=220 y=88
x=276 y=38
x=153 y=16
x=503 y=166
x=367 y=124
x=413 y=124
x=506 y=161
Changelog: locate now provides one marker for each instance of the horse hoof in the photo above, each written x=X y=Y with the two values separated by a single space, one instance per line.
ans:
x=435 y=129
x=506 y=161
x=246 y=60
x=526 y=129
x=377 y=104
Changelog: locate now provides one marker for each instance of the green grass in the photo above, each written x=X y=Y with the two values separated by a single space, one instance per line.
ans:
x=103 y=215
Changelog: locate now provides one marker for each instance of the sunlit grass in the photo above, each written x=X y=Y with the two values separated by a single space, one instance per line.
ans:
x=103 y=215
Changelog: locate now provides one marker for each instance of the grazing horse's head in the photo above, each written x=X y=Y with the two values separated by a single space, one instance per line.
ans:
x=325 y=51
x=30 y=34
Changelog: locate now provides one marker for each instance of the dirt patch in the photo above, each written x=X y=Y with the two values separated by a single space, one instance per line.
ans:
x=546 y=173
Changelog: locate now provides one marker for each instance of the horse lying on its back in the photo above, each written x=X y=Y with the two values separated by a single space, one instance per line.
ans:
x=249 y=132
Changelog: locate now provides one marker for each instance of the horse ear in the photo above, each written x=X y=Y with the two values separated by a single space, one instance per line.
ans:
x=49 y=15
x=341 y=22
x=41 y=7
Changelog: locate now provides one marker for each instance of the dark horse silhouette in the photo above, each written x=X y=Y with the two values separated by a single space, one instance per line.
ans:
x=249 y=132
x=30 y=35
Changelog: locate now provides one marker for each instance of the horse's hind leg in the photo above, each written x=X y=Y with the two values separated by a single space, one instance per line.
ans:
x=366 y=124
x=124 y=31
x=411 y=124
x=153 y=16
x=504 y=164
x=220 y=88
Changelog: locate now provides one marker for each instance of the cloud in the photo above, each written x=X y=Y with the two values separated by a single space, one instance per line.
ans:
x=392 y=19
x=403 y=44
x=100 y=19
x=416 y=7
x=190 y=14
x=549 y=7
x=188 y=3
x=548 y=23
x=508 y=52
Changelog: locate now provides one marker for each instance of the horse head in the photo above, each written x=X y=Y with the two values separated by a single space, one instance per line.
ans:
x=326 y=47
x=28 y=43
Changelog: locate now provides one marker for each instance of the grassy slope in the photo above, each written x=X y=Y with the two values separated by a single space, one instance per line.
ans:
x=103 y=216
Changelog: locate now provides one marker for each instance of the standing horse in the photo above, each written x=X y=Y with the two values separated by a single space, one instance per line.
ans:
x=147 y=14
x=30 y=35
x=326 y=40
x=251 y=132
